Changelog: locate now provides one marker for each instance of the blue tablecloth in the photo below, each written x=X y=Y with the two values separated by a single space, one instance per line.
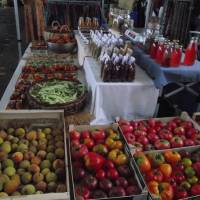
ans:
x=162 y=75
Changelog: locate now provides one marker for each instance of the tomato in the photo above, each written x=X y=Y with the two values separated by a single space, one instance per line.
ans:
x=85 y=134
x=181 y=193
x=109 y=164
x=78 y=151
x=98 y=135
x=94 y=161
x=101 y=149
x=89 y=142
x=195 y=190
x=172 y=156
x=100 y=174
x=166 y=170
x=166 y=191
x=154 y=175
x=156 y=159
x=82 y=191
x=90 y=182
x=153 y=187
x=75 y=135
x=163 y=190
x=143 y=162
x=112 y=174
x=113 y=141
x=117 y=156
x=118 y=145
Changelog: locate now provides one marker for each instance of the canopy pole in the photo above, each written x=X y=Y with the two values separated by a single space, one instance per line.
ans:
x=17 y=20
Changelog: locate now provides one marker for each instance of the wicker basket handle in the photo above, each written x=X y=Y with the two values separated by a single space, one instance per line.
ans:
x=64 y=28
x=55 y=25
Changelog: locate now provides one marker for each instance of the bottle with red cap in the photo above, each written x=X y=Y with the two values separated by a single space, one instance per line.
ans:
x=176 y=55
x=191 y=52
x=160 y=52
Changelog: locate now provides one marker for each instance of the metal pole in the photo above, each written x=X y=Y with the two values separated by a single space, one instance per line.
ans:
x=17 y=20
x=148 y=12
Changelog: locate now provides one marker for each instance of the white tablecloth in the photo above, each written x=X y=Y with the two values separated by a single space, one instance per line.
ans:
x=133 y=100
x=83 y=50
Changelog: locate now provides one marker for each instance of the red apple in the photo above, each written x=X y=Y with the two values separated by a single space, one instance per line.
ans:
x=143 y=140
x=85 y=134
x=142 y=128
x=121 y=181
x=130 y=138
x=171 y=125
x=177 y=142
x=177 y=120
x=151 y=130
x=191 y=133
x=179 y=131
x=152 y=137
x=165 y=134
x=127 y=129
x=186 y=125
x=139 y=133
x=159 y=124
x=162 y=144
x=132 y=190
x=134 y=124
x=152 y=122
x=189 y=142
x=123 y=122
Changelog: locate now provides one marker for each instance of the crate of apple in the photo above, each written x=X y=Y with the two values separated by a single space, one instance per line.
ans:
x=171 y=174
x=159 y=134
x=100 y=166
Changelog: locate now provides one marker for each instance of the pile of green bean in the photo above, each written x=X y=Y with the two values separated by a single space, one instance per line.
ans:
x=57 y=91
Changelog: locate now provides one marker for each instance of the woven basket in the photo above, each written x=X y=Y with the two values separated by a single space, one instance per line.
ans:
x=69 y=108
x=56 y=28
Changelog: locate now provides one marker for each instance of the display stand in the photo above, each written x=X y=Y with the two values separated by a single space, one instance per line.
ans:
x=185 y=77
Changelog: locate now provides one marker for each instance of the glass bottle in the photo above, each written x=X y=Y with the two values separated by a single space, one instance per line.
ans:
x=153 y=49
x=160 y=52
x=166 y=56
x=102 y=60
x=131 y=70
x=191 y=52
x=106 y=75
x=123 y=69
x=176 y=55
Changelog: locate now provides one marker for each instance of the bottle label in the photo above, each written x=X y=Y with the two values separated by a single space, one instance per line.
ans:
x=131 y=60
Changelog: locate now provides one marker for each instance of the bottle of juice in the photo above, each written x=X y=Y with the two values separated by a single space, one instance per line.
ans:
x=166 y=56
x=160 y=52
x=153 y=48
x=176 y=55
x=191 y=52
